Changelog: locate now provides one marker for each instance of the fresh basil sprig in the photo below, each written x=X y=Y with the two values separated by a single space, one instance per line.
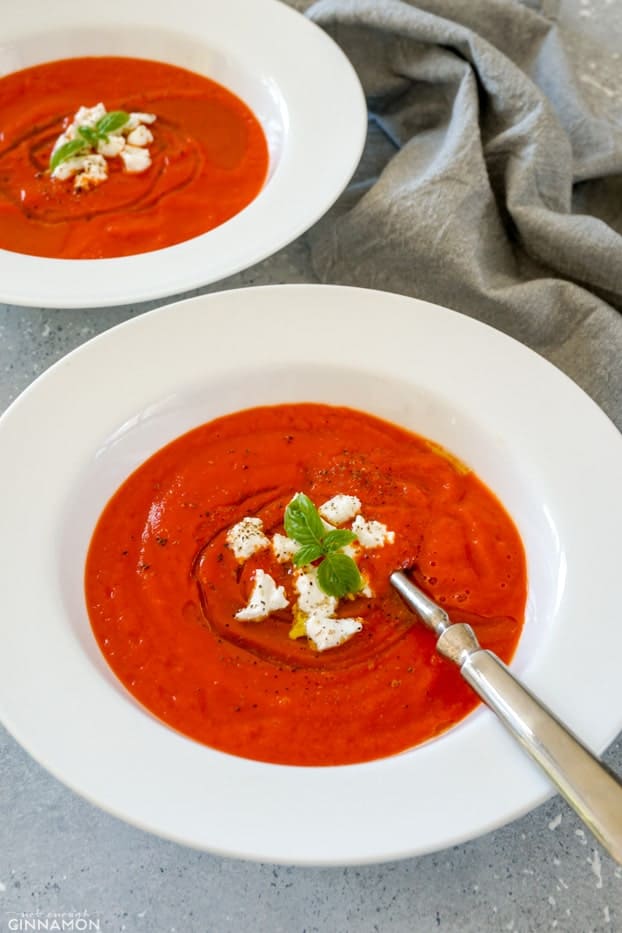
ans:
x=66 y=151
x=89 y=137
x=110 y=122
x=337 y=574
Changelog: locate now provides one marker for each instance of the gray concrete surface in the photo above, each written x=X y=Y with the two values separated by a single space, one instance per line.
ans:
x=59 y=855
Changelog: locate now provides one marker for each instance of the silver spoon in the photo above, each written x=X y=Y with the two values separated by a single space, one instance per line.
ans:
x=588 y=786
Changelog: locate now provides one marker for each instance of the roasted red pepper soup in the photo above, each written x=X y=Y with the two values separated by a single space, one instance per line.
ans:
x=163 y=587
x=209 y=159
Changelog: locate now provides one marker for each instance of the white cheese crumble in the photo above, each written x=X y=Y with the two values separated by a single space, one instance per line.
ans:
x=89 y=170
x=141 y=136
x=89 y=167
x=325 y=631
x=266 y=597
x=86 y=116
x=283 y=548
x=112 y=148
x=372 y=534
x=136 y=118
x=310 y=597
x=318 y=610
x=246 y=538
x=135 y=159
x=340 y=509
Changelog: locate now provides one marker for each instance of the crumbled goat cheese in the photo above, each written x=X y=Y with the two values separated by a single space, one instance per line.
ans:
x=327 y=632
x=283 y=547
x=318 y=613
x=141 y=136
x=372 y=534
x=266 y=597
x=94 y=170
x=340 y=509
x=92 y=167
x=310 y=597
x=87 y=116
x=136 y=118
x=247 y=537
x=113 y=147
x=327 y=525
x=129 y=143
x=135 y=159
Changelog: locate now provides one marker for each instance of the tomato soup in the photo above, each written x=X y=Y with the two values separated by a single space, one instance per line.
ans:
x=209 y=159
x=163 y=588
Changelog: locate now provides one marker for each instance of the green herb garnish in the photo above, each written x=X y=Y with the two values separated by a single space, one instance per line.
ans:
x=110 y=122
x=66 y=151
x=89 y=137
x=337 y=573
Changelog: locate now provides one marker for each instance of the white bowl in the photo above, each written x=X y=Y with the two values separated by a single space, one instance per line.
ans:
x=293 y=76
x=83 y=426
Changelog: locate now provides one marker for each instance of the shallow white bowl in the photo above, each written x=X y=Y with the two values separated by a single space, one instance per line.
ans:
x=80 y=429
x=293 y=76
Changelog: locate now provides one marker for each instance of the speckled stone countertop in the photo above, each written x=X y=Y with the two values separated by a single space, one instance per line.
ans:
x=59 y=854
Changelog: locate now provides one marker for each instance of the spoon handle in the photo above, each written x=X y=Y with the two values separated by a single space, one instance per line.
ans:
x=587 y=784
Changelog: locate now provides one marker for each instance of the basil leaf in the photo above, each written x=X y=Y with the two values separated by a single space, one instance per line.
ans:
x=89 y=135
x=338 y=575
x=303 y=522
x=66 y=151
x=337 y=539
x=111 y=121
x=307 y=554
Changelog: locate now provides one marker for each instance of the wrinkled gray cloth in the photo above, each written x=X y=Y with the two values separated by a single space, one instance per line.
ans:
x=502 y=194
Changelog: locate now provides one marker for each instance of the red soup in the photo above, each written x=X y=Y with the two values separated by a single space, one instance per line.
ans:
x=164 y=585
x=209 y=159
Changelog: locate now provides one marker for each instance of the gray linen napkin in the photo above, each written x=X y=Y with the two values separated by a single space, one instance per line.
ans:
x=501 y=196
